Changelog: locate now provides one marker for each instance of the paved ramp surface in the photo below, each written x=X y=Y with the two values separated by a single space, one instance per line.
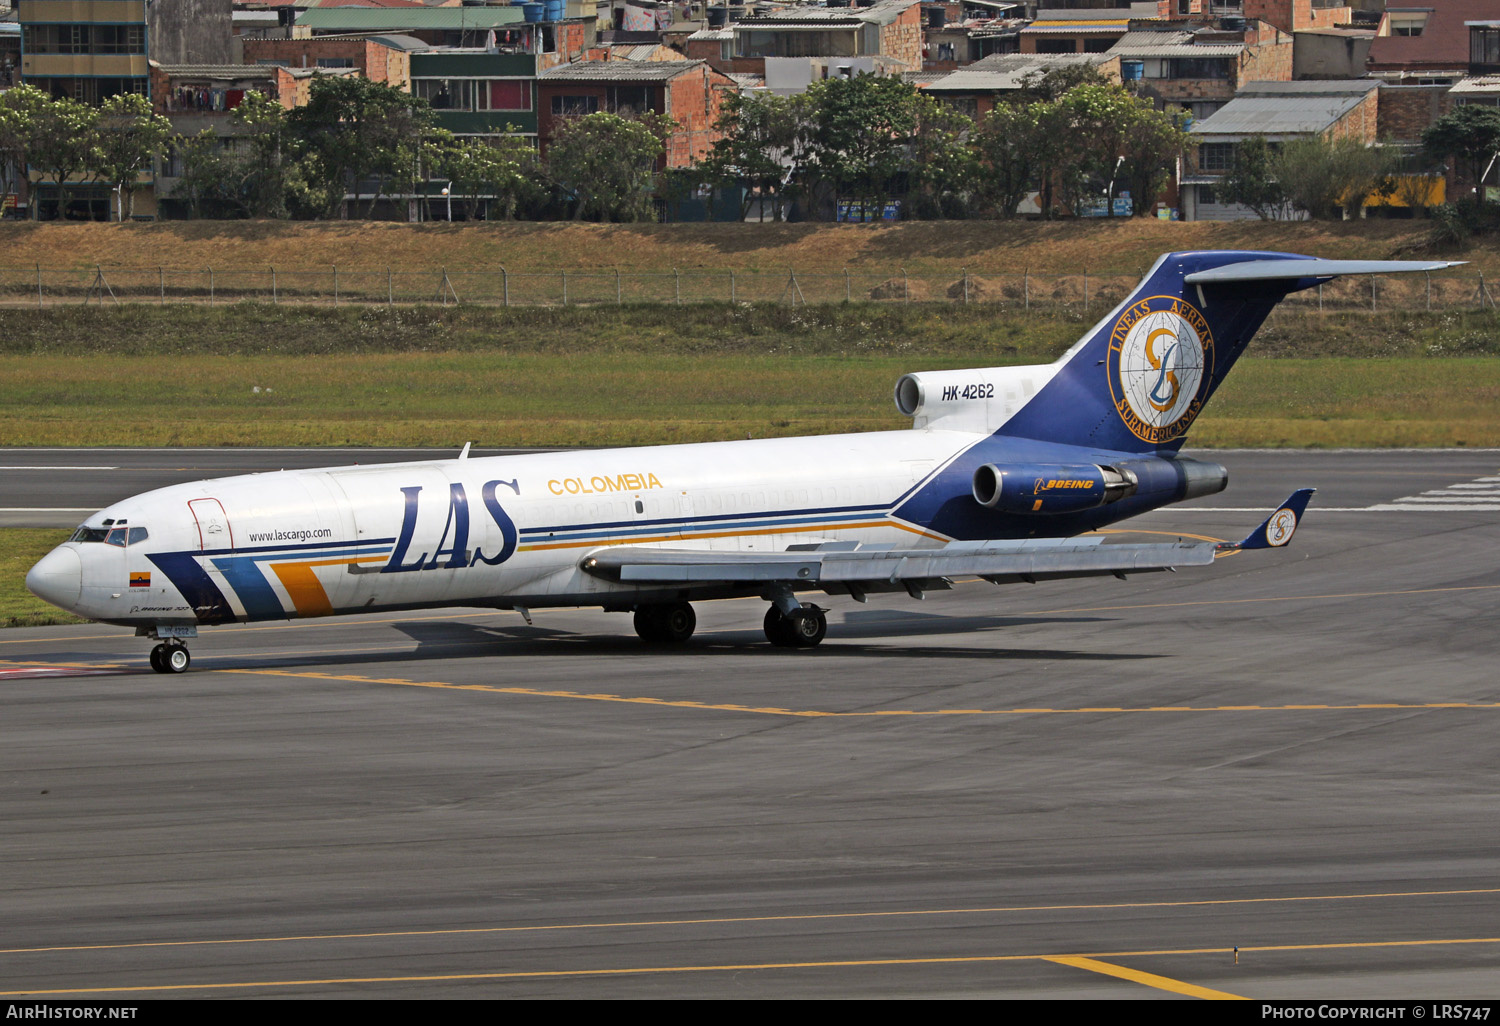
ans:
x=1077 y=789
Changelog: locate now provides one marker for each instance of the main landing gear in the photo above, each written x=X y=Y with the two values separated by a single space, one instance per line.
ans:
x=665 y=623
x=806 y=626
x=170 y=657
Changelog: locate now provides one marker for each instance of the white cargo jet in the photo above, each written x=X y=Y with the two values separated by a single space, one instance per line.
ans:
x=1002 y=475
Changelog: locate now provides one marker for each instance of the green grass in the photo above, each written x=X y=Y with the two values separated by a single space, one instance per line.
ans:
x=258 y=375
x=20 y=548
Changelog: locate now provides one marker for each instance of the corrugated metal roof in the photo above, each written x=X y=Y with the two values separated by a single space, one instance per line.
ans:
x=1073 y=28
x=1010 y=70
x=878 y=14
x=620 y=71
x=379 y=19
x=1479 y=84
x=1311 y=87
x=219 y=72
x=723 y=35
x=1180 y=50
x=1276 y=115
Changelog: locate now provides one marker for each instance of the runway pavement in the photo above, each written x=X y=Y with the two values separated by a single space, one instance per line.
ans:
x=1075 y=789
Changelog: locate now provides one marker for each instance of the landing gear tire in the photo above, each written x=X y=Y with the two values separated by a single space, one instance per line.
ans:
x=170 y=659
x=805 y=628
x=669 y=623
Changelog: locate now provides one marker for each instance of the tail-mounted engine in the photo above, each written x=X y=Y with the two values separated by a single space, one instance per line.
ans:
x=1050 y=487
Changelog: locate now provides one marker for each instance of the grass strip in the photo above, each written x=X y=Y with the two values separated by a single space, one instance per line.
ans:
x=20 y=548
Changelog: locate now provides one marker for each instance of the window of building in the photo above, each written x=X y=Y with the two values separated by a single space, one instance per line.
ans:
x=335 y=62
x=1408 y=23
x=574 y=106
x=1056 y=46
x=1215 y=156
x=446 y=93
x=1097 y=45
x=510 y=95
x=1199 y=67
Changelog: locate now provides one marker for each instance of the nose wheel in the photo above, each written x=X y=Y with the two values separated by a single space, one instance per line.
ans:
x=170 y=657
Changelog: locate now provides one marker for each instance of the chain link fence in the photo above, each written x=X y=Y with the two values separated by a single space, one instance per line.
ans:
x=1068 y=294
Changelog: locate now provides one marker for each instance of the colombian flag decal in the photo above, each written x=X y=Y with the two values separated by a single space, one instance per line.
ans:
x=140 y=578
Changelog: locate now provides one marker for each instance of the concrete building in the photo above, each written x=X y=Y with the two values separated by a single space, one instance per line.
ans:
x=1428 y=44
x=891 y=29
x=1095 y=30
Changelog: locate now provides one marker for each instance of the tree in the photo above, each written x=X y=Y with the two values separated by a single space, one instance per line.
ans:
x=65 y=145
x=1011 y=147
x=1323 y=178
x=759 y=146
x=1470 y=135
x=353 y=130
x=212 y=179
x=941 y=163
x=506 y=169
x=1121 y=138
x=19 y=110
x=607 y=163
x=857 y=135
x=1252 y=179
x=130 y=139
x=264 y=180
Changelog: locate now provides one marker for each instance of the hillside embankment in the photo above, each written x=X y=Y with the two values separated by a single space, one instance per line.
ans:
x=932 y=247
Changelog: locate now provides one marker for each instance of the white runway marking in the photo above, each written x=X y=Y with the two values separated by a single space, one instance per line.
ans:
x=58 y=468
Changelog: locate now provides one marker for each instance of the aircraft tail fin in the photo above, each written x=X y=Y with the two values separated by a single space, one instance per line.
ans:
x=1140 y=377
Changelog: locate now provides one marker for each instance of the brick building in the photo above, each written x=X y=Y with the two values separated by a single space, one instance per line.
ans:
x=690 y=92
x=1426 y=45
x=1202 y=70
x=1278 y=111
x=1297 y=15
x=384 y=59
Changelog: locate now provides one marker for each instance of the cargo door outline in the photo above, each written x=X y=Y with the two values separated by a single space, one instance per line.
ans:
x=213 y=524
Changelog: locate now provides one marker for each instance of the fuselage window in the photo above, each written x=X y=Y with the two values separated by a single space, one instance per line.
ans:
x=137 y=534
x=117 y=537
x=90 y=534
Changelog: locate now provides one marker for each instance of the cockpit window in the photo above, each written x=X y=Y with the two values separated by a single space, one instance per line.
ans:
x=121 y=536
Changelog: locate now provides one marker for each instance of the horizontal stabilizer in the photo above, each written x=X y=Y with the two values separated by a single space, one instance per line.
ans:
x=1281 y=270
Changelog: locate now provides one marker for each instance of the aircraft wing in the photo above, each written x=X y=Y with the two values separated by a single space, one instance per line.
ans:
x=835 y=563
x=848 y=567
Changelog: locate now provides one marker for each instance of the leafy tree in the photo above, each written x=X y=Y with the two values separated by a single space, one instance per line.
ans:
x=759 y=145
x=130 y=139
x=1011 y=147
x=506 y=169
x=264 y=178
x=1122 y=138
x=858 y=133
x=942 y=164
x=608 y=163
x=353 y=130
x=1470 y=135
x=19 y=110
x=1252 y=179
x=65 y=145
x=1324 y=178
x=212 y=179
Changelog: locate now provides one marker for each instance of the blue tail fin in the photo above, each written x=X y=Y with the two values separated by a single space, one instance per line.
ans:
x=1140 y=377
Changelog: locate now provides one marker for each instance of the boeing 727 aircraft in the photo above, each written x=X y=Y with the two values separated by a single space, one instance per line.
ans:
x=1002 y=475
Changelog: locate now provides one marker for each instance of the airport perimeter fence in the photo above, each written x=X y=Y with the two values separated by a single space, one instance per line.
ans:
x=1069 y=294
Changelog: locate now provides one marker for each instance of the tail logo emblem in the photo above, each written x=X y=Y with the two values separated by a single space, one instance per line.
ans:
x=1280 y=527
x=1160 y=366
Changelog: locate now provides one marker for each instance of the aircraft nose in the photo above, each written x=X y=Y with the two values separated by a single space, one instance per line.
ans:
x=57 y=578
